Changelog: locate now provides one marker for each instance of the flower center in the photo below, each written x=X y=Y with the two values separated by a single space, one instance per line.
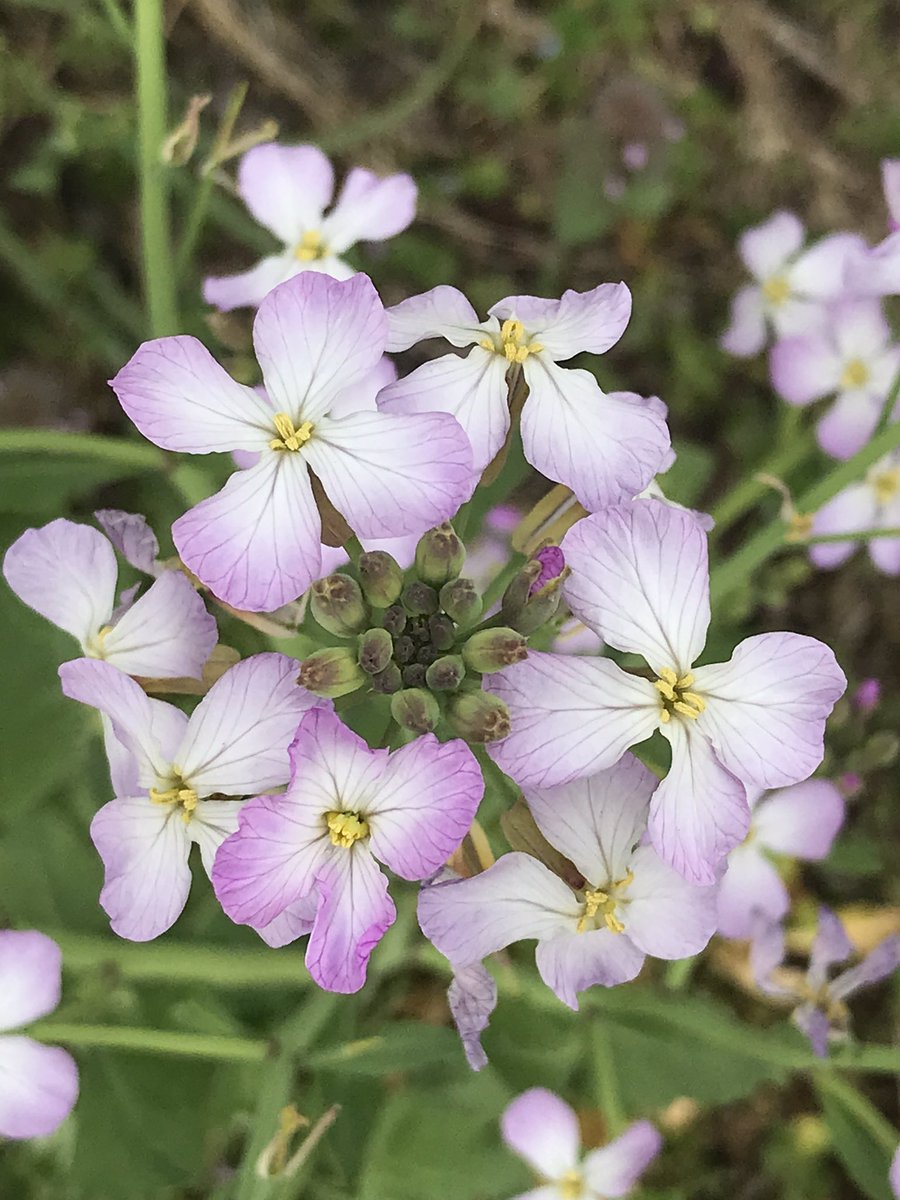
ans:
x=511 y=342
x=94 y=648
x=674 y=696
x=885 y=484
x=855 y=374
x=570 y=1186
x=603 y=904
x=345 y=828
x=776 y=290
x=310 y=248
x=177 y=794
x=289 y=437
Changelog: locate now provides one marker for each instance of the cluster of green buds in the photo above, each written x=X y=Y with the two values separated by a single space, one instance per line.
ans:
x=414 y=636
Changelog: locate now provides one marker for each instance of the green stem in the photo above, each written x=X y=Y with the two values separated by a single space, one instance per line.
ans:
x=864 y=535
x=151 y=1041
x=502 y=580
x=56 y=443
x=607 y=1084
x=158 y=266
x=793 y=449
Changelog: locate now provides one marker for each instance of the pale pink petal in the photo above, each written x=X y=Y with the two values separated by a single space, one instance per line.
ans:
x=30 y=977
x=256 y=544
x=570 y=962
x=579 y=322
x=249 y=288
x=766 y=708
x=286 y=188
x=640 y=579
x=145 y=848
x=875 y=272
x=570 y=717
x=750 y=888
x=746 y=332
x=132 y=537
x=331 y=766
x=795 y=317
x=180 y=398
x=699 y=811
x=604 y=446
x=211 y=823
x=67 y=573
x=765 y=248
x=423 y=805
x=859 y=327
x=849 y=423
x=362 y=395
x=354 y=912
x=369 y=208
x=880 y=963
x=767 y=952
x=613 y=1170
x=390 y=474
x=852 y=510
x=663 y=914
x=819 y=271
x=543 y=1130
x=295 y=922
x=894 y=1178
x=885 y=552
x=802 y=820
x=166 y=633
x=472 y=389
x=443 y=312
x=831 y=946
x=38 y=1087
x=472 y=997
x=890 y=183
x=805 y=368
x=812 y=1022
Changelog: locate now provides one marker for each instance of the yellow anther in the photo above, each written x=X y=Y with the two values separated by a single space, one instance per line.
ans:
x=289 y=437
x=345 y=828
x=487 y=344
x=310 y=247
x=669 y=675
x=665 y=717
x=665 y=688
x=570 y=1186
x=776 y=289
x=177 y=795
x=685 y=681
x=675 y=696
x=603 y=903
x=885 y=484
x=512 y=331
x=855 y=374
x=511 y=342
x=94 y=648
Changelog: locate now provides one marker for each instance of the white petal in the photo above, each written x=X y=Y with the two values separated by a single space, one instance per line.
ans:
x=30 y=977
x=543 y=1130
x=211 y=823
x=369 y=208
x=38 y=1087
x=665 y=915
x=766 y=247
x=443 y=312
x=166 y=634
x=287 y=188
x=580 y=321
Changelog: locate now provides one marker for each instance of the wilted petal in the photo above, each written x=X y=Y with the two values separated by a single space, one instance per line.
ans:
x=38 y=1087
x=569 y=962
x=879 y=964
x=805 y=368
x=369 y=208
x=766 y=248
x=30 y=977
x=578 y=322
x=802 y=820
x=132 y=537
x=354 y=912
x=286 y=188
x=249 y=288
x=830 y=947
x=472 y=997
x=663 y=914
x=543 y=1130
x=613 y=1170
x=750 y=888
x=167 y=633
x=815 y=1025
x=442 y=312
x=746 y=332
x=849 y=423
x=853 y=510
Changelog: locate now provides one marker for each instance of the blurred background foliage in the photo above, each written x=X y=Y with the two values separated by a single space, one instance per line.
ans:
x=516 y=120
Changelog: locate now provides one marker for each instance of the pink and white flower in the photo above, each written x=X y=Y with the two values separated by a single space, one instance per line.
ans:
x=543 y=1130
x=801 y=821
x=235 y=743
x=308 y=859
x=68 y=574
x=627 y=904
x=791 y=284
x=872 y=504
x=604 y=446
x=287 y=189
x=257 y=543
x=875 y=271
x=640 y=580
x=852 y=357
x=38 y=1083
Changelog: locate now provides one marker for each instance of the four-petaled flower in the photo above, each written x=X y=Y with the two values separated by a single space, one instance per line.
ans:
x=872 y=504
x=287 y=189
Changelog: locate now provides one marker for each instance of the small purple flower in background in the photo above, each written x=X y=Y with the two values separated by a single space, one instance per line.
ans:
x=38 y=1083
x=68 y=573
x=287 y=189
x=235 y=743
x=894 y=1179
x=640 y=580
x=132 y=536
x=311 y=855
x=854 y=358
x=628 y=903
x=872 y=504
x=822 y=1014
x=543 y=1130
x=790 y=286
x=801 y=821
x=867 y=696
x=875 y=271
x=604 y=446
x=257 y=543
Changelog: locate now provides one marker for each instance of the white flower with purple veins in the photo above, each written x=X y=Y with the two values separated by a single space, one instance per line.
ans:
x=801 y=821
x=852 y=358
x=604 y=446
x=235 y=743
x=543 y=1130
x=38 y=1083
x=308 y=861
x=68 y=574
x=593 y=930
x=640 y=580
x=791 y=284
x=257 y=543
x=876 y=271
x=872 y=504
x=822 y=1014
x=287 y=189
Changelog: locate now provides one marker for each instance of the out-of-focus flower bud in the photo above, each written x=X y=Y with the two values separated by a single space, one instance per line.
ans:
x=491 y=649
x=867 y=695
x=460 y=601
x=331 y=672
x=439 y=555
x=420 y=599
x=533 y=597
x=445 y=674
x=381 y=578
x=375 y=649
x=394 y=620
x=387 y=681
x=337 y=604
x=478 y=716
x=442 y=631
x=413 y=675
x=415 y=709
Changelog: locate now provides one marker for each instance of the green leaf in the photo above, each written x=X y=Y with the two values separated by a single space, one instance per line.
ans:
x=403 y=1046
x=862 y=1138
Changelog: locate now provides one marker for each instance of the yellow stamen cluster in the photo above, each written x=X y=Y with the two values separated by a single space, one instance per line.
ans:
x=177 y=795
x=289 y=437
x=776 y=289
x=345 y=828
x=675 y=696
x=511 y=343
x=855 y=374
x=310 y=247
x=603 y=903
x=885 y=484
x=570 y=1186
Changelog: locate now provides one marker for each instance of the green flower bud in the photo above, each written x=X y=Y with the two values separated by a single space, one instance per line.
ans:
x=446 y=674
x=381 y=577
x=478 y=716
x=331 y=672
x=337 y=604
x=388 y=681
x=375 y=649
x=442 y=631
x=420 y=599
x=415 y=710
x=491 y=649
x=461 y=602
x=533 y=597
x=439 y=555
x=413 y=675
x=394 y=620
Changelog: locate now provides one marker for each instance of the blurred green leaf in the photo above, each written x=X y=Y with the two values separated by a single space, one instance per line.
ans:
x=862 y=1138
x=403 y=1046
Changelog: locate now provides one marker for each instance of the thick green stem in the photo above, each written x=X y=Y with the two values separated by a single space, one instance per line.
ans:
x=605 y=1076
x=863 y=535
x=58 y=444
x=793 y=448
x=151 y=1041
